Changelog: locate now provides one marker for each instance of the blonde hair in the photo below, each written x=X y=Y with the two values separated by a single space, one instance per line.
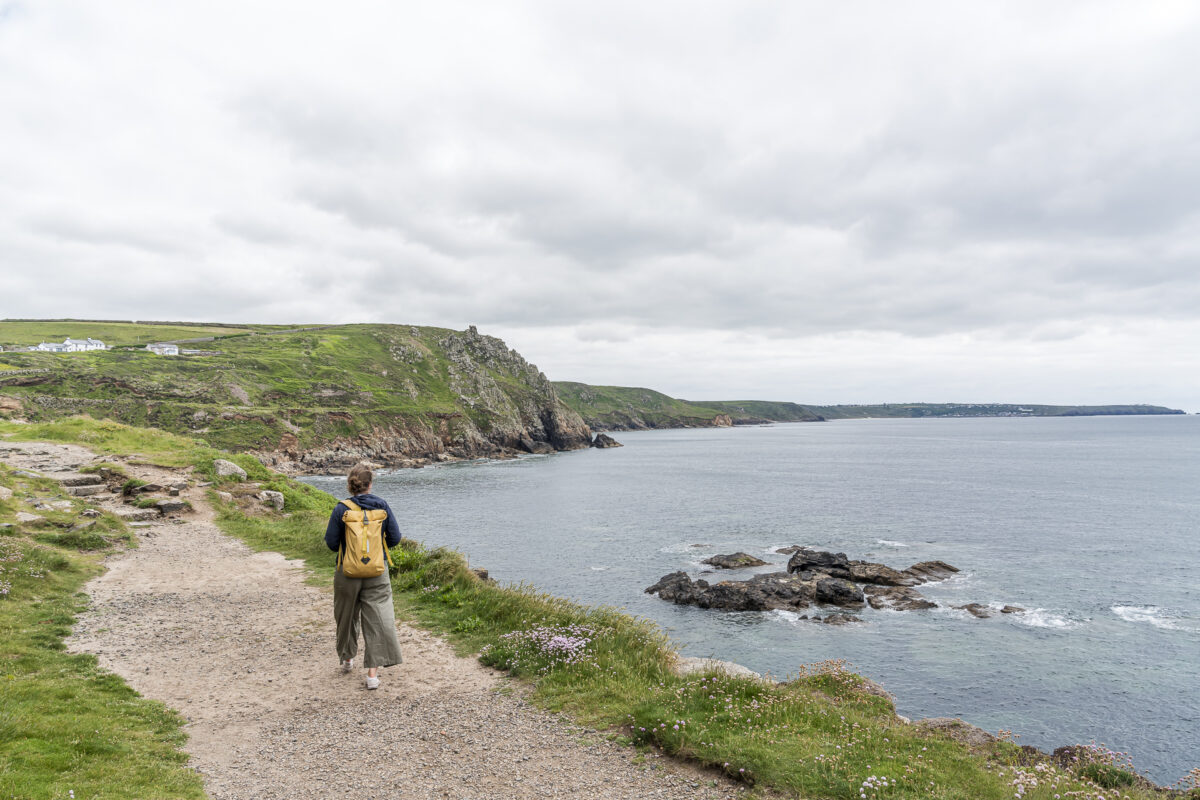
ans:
x=359 y=479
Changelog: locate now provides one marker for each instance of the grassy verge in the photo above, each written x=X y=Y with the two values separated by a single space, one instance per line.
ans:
x=822 y=735
x=65 y=724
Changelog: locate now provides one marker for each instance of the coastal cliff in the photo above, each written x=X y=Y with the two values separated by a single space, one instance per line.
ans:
x=318 y=399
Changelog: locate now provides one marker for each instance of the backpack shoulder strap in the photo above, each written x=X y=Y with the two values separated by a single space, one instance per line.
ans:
x=350 y=504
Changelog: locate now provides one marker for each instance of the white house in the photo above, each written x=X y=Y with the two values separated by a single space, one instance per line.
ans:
x=83 y=345
x=163 y=349
x=72 y=346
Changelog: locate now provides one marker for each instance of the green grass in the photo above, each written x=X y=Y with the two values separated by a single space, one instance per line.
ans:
x=820 y=735
x=113 y=334
x=65 y=724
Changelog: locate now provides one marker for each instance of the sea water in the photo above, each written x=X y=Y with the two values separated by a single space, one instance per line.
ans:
x=1092 y=524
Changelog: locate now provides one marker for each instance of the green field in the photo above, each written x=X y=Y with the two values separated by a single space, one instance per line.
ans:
x=113 y=334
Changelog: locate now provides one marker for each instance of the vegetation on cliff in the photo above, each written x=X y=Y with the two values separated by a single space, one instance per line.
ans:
x=624 y=408
x=824 y=733
x=310 y=398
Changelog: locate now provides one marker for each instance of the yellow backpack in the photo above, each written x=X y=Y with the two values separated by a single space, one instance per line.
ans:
x=364 y=548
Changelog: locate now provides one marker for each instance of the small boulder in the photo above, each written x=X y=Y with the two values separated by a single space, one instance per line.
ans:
x=840 y=619
x=5 y=493
x=226 y=469
x=25 y=516
x=166 y=506
x=1012 y=610
x=734 y=561
x=90 y=512
x=787 y=551
x=225 y=497
x=604 y=440
x=271 y=498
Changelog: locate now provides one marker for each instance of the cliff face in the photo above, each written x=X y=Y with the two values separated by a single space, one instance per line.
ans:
x=323 y=399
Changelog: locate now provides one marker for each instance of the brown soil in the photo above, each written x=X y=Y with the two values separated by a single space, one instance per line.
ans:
x=240 y=645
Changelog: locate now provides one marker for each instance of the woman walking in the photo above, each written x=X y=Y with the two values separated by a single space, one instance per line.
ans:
x=363 y=602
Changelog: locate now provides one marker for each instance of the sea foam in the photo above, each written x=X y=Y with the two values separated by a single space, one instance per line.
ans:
x=1151 y=615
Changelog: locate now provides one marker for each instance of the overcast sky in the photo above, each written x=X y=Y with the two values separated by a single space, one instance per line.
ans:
x=819 y=202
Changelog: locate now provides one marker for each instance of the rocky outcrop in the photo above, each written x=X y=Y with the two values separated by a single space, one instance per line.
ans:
x=734 y=561
x=759 y=593
x=812 y=577
x=603 y=440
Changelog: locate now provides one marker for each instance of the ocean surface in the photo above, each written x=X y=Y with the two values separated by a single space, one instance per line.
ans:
x=1090 y=523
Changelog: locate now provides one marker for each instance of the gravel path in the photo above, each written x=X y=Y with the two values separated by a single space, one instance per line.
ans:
x=244 y=649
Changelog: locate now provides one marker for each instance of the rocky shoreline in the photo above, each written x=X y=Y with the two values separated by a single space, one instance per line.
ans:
x=813 y=578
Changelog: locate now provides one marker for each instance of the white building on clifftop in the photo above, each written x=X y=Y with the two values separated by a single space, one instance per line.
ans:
x=72 y=346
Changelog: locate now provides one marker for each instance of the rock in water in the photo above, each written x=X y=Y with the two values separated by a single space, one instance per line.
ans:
x=897 y=598
x=868 y=572
x=604 y=440
x=228 y=468
x=806 y=560
x=1012 y=610
x=734 y=561
x=760 y=593
x=928 y=571
x=975 y=610
x=838 y=592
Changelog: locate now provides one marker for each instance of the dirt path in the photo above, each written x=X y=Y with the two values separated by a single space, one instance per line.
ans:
x=243 y=648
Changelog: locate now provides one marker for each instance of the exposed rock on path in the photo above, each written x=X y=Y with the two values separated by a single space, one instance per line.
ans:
x=243 y=648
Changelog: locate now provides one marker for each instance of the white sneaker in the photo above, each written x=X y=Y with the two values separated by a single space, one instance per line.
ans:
x=348 y=665
x=372 y=683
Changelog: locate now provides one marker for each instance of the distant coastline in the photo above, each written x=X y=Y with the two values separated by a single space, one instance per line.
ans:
x=625 y=408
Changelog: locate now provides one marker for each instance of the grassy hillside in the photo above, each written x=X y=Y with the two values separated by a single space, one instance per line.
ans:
x=982 y=410
x=617 y=408
x=331 y=395
x=823 y=734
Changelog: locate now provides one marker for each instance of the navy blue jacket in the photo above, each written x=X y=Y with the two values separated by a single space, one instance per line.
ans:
x=335 y=531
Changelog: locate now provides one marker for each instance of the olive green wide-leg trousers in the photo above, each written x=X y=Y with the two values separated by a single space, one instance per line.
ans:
x=368 y=600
